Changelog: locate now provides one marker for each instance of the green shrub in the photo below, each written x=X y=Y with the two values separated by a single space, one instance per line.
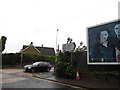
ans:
x=27 y=58
x=63 y=69
x=31 y=58
x=64 y=56
x=10 y=59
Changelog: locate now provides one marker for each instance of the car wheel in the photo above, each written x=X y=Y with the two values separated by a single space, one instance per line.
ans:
x=33 y=70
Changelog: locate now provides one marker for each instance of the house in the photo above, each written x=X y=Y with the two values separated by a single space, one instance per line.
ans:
x=38 y=50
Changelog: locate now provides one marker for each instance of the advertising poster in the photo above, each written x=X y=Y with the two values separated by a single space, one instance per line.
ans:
x=104 y=43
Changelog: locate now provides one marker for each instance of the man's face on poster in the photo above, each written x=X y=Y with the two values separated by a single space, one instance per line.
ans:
x=103 y=36
x=117 y=30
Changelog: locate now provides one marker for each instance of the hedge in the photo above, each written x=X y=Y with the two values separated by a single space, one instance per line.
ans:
x=27 y=58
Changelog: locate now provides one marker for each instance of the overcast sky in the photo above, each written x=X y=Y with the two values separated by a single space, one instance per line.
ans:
x=25 y=21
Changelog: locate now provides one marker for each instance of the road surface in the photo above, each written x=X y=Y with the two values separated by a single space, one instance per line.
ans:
x=16 y=78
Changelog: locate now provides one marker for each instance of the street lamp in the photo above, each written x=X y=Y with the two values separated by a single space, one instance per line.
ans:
x=56 y=38
x=56 y=43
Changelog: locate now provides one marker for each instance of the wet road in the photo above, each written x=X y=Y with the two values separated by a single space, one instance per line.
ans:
x=16 y=78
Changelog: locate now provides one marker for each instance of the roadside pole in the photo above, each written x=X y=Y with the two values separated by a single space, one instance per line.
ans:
x=56 y=44
x=69 y=47
x=21 y=60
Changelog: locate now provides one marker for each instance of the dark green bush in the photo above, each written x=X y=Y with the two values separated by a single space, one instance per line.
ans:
x=64 y=56
x=27 y=58
x=63 y=69
x=10 y=59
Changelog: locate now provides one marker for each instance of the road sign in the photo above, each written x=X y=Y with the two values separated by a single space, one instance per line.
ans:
x=69 y=47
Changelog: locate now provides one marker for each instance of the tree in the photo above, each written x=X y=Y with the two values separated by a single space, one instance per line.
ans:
x=2 y=43
x=81 y=47
x=81 y=43
x=69 y=40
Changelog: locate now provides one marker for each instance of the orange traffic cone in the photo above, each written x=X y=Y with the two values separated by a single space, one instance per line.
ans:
x=77 y=75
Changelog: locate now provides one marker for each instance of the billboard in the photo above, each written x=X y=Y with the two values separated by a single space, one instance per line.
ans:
x=104 y=43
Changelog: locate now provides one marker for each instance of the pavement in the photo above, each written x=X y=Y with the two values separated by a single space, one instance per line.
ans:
x=85 y=82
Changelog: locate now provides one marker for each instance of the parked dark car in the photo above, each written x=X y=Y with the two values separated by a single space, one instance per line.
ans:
x=38 y=66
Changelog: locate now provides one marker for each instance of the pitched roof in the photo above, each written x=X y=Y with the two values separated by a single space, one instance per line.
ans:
x=46 y=50
x=42 y=50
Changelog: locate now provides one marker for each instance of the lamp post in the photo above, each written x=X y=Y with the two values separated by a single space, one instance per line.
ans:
x=56 y=43
x=56 y=37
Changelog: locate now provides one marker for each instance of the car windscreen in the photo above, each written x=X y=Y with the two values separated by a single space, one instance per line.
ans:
x=42 y=63
x=36 y=63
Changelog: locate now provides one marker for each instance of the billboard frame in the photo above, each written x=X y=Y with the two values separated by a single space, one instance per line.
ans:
x=88 y=58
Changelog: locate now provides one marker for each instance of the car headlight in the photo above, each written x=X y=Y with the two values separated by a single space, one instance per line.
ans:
x=29 y=67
